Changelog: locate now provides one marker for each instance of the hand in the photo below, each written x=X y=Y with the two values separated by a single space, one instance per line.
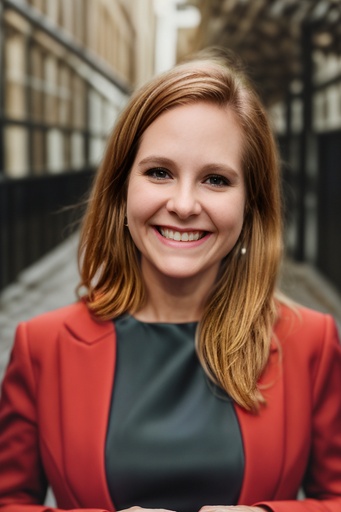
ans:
x=235 y=508
x=140 y=509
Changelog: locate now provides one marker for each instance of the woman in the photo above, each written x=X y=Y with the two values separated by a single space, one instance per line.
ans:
x=181 y=380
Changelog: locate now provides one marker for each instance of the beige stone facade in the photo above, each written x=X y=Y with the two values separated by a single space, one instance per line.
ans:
x=68 y=68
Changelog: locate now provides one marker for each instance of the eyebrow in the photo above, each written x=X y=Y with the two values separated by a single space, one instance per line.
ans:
x=156 y=160
x=210 y=167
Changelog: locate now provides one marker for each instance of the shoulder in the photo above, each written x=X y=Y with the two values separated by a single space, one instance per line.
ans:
x=297 y=320
x=56 y=318
x=304 y=331
x=75 y=319
x=56 y=339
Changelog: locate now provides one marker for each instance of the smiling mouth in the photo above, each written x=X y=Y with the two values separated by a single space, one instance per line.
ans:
x=186 y=236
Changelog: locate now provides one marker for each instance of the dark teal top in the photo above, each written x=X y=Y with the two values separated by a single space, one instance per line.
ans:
x=173 y=438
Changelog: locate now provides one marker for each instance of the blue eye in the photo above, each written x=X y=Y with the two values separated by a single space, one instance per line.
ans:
x=158 y=173
x=217 y=181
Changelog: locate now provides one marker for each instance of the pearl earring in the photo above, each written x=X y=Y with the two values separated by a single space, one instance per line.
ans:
x=243 y=250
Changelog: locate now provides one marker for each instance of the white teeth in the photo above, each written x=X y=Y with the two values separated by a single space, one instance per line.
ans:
x=181 y=237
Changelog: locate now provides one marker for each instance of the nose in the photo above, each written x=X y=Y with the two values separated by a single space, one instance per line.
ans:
x=184 y=201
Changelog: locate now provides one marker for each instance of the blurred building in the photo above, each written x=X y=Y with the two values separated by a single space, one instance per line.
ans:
x=292 y=50
x=67 y=68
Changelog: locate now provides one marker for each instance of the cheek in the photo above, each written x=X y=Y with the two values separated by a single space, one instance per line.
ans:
x=140 y=205
x=138 y=210
x=143 y=201
x=231 y=214
x=135 y=201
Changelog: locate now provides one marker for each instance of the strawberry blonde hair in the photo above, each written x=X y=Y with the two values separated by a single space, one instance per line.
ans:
x=234 y=334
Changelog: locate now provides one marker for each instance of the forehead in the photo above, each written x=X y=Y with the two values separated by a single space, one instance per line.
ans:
x=200 y=116
x=200 y=112
x=195 y=130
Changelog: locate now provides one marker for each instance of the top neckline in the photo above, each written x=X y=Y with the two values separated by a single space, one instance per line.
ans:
x=156 y=323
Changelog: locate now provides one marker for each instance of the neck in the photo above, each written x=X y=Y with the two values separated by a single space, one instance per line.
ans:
x=175 y=300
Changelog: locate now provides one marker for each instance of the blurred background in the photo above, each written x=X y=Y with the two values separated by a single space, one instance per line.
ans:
x=68 y=66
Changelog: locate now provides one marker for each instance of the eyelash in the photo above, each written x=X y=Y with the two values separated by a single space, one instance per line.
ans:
x=224 y=182
x=153 y=173
x=157 y=171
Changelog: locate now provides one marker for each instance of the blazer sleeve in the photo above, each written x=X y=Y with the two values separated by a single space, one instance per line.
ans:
x=322 y=483
x=23 y=483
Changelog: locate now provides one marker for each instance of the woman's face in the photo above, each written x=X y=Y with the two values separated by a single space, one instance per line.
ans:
x=186 y=192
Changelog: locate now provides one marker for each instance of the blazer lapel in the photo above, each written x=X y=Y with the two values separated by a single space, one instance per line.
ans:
x=264 y=437
x=87 y=363
x=87 y=353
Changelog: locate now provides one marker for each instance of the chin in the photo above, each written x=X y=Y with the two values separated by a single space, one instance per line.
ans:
x=178 y=274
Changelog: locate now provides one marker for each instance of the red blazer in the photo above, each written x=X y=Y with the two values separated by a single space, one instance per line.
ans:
x=55 y=403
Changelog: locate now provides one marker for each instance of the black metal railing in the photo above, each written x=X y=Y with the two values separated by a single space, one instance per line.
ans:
x=36 y=214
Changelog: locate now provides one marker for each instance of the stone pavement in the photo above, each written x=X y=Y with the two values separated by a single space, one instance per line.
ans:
x=50 y=283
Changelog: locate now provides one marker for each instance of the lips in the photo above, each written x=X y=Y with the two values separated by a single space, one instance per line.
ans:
x=183 y=236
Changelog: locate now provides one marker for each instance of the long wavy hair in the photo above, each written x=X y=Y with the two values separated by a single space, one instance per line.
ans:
x=234 y=333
